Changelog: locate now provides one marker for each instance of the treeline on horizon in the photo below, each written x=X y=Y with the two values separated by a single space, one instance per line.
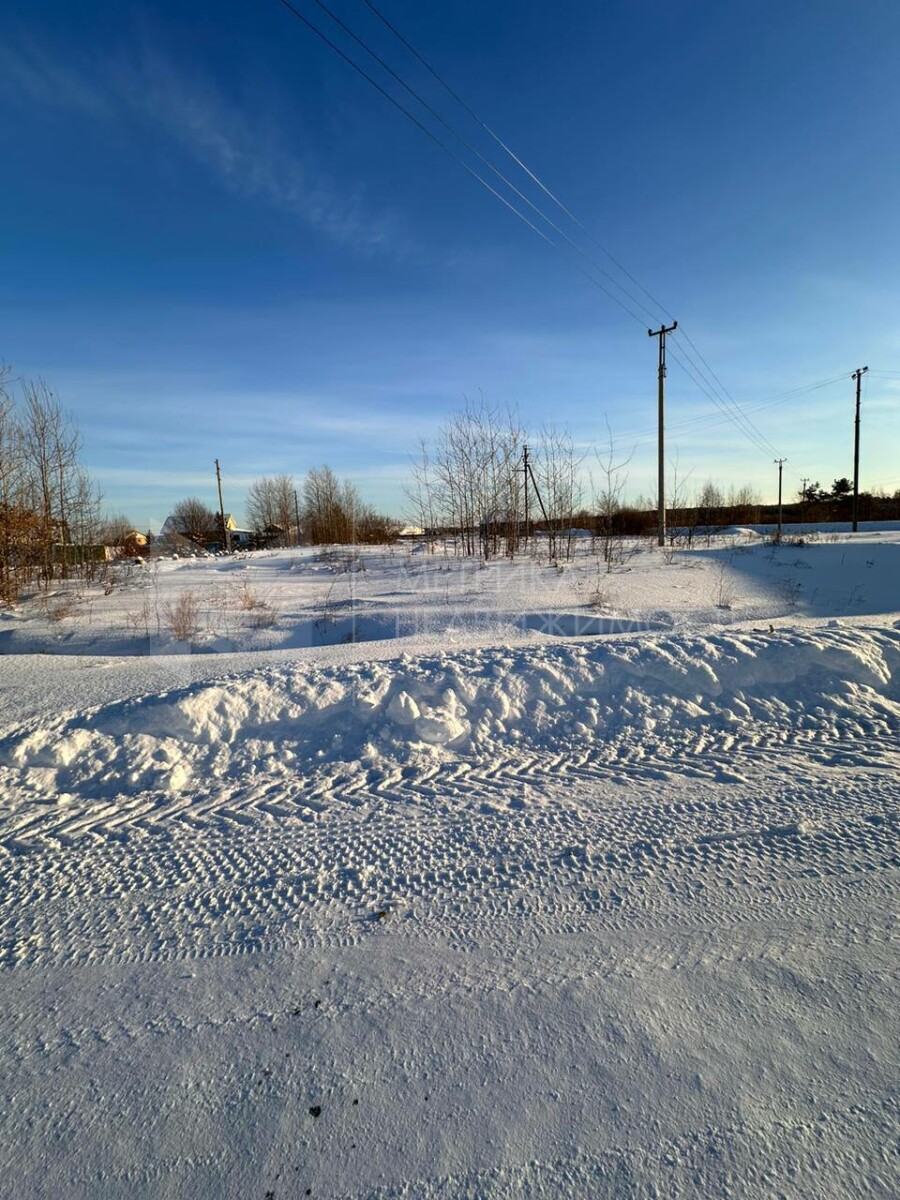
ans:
x=481 y=479
x=484 y=480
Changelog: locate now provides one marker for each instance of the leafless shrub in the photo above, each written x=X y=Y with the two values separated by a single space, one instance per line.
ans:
x=790 y=590
x=139 y=620
x=248 y=599
x=600 y=599
x=183 y=616
x=61 y=608
x=724 y=587
x=263 y=616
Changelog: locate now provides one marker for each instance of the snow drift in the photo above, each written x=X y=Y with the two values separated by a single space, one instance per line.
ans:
x=618 y=697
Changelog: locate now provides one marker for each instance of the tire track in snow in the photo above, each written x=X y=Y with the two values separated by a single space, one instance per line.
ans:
x=671 y=709
x=798 y=754
x=220 y=897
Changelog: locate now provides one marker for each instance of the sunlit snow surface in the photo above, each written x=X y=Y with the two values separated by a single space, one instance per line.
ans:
x=403 y=877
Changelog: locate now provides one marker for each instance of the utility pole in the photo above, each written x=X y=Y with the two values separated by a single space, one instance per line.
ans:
x=804 y=498
x=297 y=517
x=661 y=502
x=525 y=469
x=226 y=540
x=537 y=491
x=857 y=375
x=780 y=462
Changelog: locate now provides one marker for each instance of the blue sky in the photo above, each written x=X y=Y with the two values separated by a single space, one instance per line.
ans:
x=218 y=241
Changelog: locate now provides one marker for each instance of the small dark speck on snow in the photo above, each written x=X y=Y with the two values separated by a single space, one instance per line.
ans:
x=315 y=1110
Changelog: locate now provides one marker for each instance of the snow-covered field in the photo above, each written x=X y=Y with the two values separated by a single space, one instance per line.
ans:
x=401 y=877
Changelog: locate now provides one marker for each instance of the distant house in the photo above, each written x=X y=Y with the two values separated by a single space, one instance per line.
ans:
x=239 y=538
x=411 y=531
x=278 y=535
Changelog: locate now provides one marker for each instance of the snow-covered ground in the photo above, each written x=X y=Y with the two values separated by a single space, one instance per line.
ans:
x=399 y=876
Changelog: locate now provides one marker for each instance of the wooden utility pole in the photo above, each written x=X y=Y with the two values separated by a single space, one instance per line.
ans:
x=780 y=462
x=525 y=470
x=661 y=482
x=226 y=539
x=803 y=496
x=857 y=375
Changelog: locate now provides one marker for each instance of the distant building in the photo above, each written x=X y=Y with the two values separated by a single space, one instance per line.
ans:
x=74 y=555
x=240 y=538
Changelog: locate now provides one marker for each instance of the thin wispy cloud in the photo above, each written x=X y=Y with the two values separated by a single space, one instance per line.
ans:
x=29 y=75
x=243 y=149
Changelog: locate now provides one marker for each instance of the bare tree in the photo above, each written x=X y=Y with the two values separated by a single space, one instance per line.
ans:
x=613 y=480
x=470 y=481
x=271 y=509
x=48 y=506
x=708 y=508
x=114 y=529
x=50 y=445
x=15 y=516
x=675 y=503
x=558 y=474
x=743 y=505
x=193 y=520
x=335 y=514
x=421 y=494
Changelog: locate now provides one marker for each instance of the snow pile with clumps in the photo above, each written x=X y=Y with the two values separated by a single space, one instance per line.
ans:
x=472 y=705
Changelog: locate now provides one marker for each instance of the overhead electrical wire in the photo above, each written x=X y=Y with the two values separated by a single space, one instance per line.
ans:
x=744 y=424
x=481 y=157
x=700 y=372
x=739 y=412
x=705 y=386
x=754 y=406
x=456 y=158
x=515 y=158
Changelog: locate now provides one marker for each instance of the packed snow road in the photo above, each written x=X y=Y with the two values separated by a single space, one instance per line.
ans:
x=592 y=919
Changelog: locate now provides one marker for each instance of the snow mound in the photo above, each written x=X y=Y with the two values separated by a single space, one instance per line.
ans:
x=611 y=696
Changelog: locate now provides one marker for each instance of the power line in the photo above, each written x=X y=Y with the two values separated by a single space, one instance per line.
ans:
x=515 y=158
x=738 y=411
x=481 y=157
x=752 y=406
x=456 y=158
x=755 y=435
x=702 y=375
